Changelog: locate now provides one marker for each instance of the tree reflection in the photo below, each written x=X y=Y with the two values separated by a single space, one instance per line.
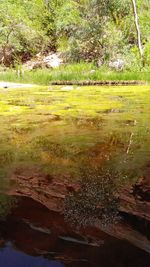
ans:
x=96 y=201
x=6 y=204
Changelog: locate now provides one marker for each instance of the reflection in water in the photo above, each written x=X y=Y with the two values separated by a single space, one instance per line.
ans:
x=96 y=200
x=108 y=125
x=23 y=245
x=6 y=203
x=9 y=257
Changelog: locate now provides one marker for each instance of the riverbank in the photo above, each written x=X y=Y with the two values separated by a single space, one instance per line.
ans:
x=74 y=73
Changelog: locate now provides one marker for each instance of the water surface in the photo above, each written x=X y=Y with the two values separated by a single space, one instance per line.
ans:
x=48 y=137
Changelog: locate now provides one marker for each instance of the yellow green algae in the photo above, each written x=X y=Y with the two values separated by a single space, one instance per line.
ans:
x=58 y=128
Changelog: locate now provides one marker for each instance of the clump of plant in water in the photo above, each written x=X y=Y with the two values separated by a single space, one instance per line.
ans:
x=96 y=202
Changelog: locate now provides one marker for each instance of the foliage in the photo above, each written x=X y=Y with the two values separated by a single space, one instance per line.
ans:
x=147 y=54
x=82 y=30
x=21 y=30
x=99 y=29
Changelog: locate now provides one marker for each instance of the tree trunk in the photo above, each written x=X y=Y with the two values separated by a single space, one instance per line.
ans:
x=137 y=28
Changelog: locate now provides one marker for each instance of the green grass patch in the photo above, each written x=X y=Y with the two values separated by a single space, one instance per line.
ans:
x=74 y=72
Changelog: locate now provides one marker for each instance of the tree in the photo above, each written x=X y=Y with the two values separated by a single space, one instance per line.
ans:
x=137 y=28
x=20 y=30
x=91 y=30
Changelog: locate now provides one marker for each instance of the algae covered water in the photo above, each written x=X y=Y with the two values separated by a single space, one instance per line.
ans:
x=54 y=142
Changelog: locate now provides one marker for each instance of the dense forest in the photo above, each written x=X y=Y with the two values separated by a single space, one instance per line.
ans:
x=81 y=30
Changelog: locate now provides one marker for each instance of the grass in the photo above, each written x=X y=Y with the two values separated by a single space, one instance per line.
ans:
x=57 y=130
x=74 y=72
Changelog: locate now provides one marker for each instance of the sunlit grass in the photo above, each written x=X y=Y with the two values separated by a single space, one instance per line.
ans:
x=74 y=72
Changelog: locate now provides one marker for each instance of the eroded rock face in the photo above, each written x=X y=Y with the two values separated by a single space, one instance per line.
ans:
x=134 y=209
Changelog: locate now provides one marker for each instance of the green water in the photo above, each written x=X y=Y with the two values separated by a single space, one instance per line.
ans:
x=59 y=129
x=70 y=133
